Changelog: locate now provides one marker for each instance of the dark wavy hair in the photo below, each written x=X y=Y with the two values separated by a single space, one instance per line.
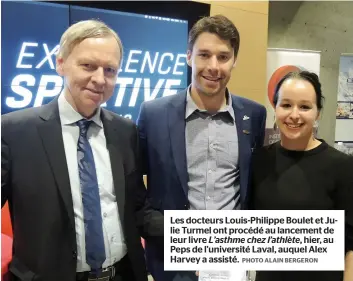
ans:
x=219 y=25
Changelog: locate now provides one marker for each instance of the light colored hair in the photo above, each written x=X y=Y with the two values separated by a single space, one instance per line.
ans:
x=82 y=30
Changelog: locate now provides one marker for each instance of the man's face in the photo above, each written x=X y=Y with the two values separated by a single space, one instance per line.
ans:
x=212 y=60
x=90 y=73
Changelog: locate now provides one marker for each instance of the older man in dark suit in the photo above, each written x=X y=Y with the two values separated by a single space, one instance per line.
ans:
x=71 y=173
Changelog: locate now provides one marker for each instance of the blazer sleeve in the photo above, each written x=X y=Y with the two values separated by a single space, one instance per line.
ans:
x=5 y=171
x=141 y=124
x=261 y=137
x=149 y=221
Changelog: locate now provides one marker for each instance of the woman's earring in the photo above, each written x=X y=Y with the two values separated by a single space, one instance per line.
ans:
x=316 y=128
x=274 y=124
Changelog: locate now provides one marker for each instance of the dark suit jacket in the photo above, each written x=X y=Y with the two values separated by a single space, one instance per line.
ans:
x=36 y=183
x=162 y=137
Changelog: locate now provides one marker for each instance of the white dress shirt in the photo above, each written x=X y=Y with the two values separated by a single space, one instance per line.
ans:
x=115 y=247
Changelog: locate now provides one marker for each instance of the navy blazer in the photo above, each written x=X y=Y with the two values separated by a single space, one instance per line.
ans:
x=161 y=125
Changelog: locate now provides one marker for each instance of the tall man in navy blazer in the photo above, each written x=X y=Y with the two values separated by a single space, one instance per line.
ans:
x=197 y=144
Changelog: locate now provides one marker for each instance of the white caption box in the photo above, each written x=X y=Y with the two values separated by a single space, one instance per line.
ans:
x=254 y=240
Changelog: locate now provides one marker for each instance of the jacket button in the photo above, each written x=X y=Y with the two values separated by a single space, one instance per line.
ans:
x=186 y=206
x=74 y=254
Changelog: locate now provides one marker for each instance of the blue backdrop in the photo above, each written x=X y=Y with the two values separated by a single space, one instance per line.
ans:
x=154 y=62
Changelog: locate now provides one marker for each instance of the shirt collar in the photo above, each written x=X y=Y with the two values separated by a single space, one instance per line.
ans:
x=191 y=106
x=68 y=115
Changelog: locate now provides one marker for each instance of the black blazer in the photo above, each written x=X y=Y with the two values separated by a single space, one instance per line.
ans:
x=35 y=182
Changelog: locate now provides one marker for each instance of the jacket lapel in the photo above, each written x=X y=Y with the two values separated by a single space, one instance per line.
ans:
x=51 y=134
x=244 y=137
x=176 y=123
x=116 y=160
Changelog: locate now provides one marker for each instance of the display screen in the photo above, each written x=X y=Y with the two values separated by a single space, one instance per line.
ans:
x=153 y=65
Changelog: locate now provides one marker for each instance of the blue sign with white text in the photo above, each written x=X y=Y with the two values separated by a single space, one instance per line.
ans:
x=153 y=65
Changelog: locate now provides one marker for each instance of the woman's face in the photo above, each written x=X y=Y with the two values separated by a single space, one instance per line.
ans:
x=296 y=110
